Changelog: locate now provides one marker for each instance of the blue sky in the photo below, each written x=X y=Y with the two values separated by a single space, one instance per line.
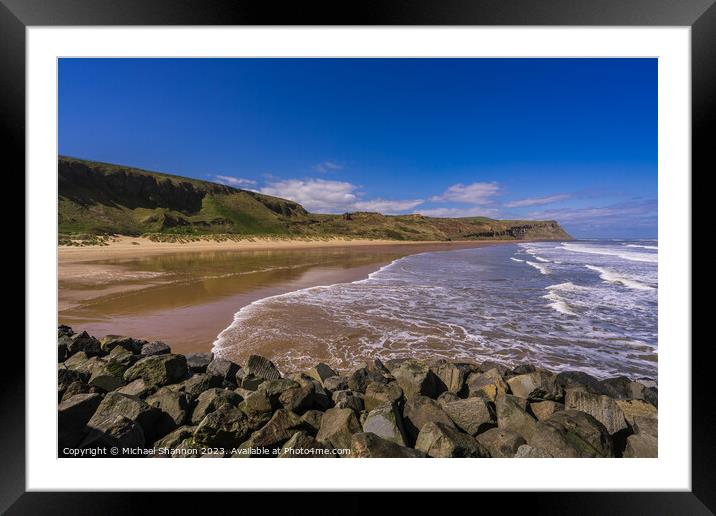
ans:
x=568 y=139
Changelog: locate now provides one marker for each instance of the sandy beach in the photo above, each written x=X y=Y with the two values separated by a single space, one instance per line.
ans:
x=186 y=293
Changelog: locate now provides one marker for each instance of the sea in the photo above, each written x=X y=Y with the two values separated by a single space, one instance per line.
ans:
x=582 y=305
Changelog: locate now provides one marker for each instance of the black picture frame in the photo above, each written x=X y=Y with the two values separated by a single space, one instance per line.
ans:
x=699 y=15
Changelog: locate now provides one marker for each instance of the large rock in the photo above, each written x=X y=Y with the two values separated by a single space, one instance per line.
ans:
x=211 y=400
x=63 y=348
x=77 y=388
x=622 y=388
x=298 y=399
x=225 y=370
x=471 y=415
x=274 y=389
x=379 y=394
x=633 y=409
x=500 y=442
x=641 y=446
x=349 y=399
x=359 y=380
x=200 y=382
x=226 y=427
x=66 y=377
x=110 y=342
x=567 y=379
x=262 y=367
x=544 y=409
x=571 y=433
x=385 y=422
x=116 y=404
x=122 y=356
x=603 y=408
x=76 y=360
x=337 y=427
x=173 y=439
x=108 y=376
x=85 y=343
x=416 y=378
x=450 y=377
x=279 y=429
x=488 y=385
x=174 y=407
x=198 y=362
x=311 y=421
x=155 y=348
x=64 y=331
x=72 y=417
x=336 y=383
x=512 y=415
x=370 y=445
x=646 y=425
x=118 y=432
x=536 y=385
x=440 y=440
x=529 y=452
x=137 y=388
x=256 y=403
x=158 y=370
x=321 y=372
x=419 y=411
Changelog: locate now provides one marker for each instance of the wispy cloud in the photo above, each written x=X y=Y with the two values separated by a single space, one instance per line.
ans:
x=637 y=211
x=537 y=201
x=328 y=166
x=474 y=193
x=233 y=181
x=472 y=211
x=322 y=195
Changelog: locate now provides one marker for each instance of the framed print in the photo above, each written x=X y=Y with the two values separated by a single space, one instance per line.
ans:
x=458 y=235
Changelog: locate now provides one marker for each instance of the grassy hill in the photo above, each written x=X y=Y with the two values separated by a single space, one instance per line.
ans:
x=101 y=198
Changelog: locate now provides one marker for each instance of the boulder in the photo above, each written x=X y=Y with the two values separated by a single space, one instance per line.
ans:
x=311 y=421
x=137 y=388
x=370 y=445
x=274 y=389
x=262 y=367
x=303 y=446
x=544 y=409
x=198 y=362
x=471 y=415
x=572 y=433
x=76 y=360
x=419 y=411
x=501 y=443
x=108 y=375
x=66 y=377
x=348 y=399
x=63 y=349
x=337 y=427
x=641 y=446
x=225 y=370
x=155 y=348
x=85 y=343
x=249 y=381
x=567 y=379
x=210 y=400
x=158 y=370
x=360 y=378
x=279 y=429
x=64 y=331
x=450 y=377
x=110 y=342
x=651 y=395
x=336 y=383
x=385 y=422
x=622 y=388
x=637 y=408
x=447 y=397
x=321 y=372
x=256 y=403
x=121 y=356
x=489 y=365
x=226 y=427
x=77 y=388
x=378 y=394
x=116 y=431
x=175 y=409
x=298 y=399
x=73 y=415
x=512 y=415
x=524 y=369
x=116 y=404
x=200 y=382
x=603 y=408
x=488 y=385
x=174 y=438
x=529 y=452
x=416 y=378
x=439 y=440
x=538 y=385
x=646 y=425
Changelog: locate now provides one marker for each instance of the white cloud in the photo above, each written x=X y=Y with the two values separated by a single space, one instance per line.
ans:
x=474 y=193
x=472 y=211
x=387 y=206
x=328 y=166
x=536 y=201
x=234 y=181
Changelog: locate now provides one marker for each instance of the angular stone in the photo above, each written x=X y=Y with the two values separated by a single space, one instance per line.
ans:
x=544 y=409
x=158 y=370
x=416 y=378
x=298 y=399
x=348 y=399
x=311 y=421
x=646 y=425
x=450 y=377
x=321 y=372
x=489 y=365
x=500 y=442
x=108 y=375
x=262 y=367
x=280 y=428
x=419 y=411
x=76 y=360
x=62 y=349
x=488 y=385
x=174 y=438
x=200 y=382
x=136 y=388
x=274 y=388
x=249 y=381
x=256 y=403
x=360 y=378
x=529 y=452
x=155 y=348
x=303 y=446
x=116 y=404
x=641 y=446
x=76 y=388
x=64 y=331
x=226 y=427
x=73 y=415
x=116 y=431
x=110 y=342
x=378 y=394
x=567 y=379
x=603 y=408
x=174 y=407
x=523 y=369
x=385 y=422
x=537 y=385
x=622 y=388
x=471 y=415
x=370 y=445
x=85 y=343
x=571 y=433
x=123 y=357
x=337 y=427
x=210 y=400
x=66 y=377
x=447 y=397
x=512 y=415
x=440 y=440
x=637 y=408
x=225 y=370
x=198 y=362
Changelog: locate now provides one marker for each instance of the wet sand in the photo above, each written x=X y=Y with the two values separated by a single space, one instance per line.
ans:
x=186 y=294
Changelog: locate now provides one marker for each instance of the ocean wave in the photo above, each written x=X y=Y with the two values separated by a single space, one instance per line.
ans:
x=612 y=276
x=559 y=304
x=631 y=256
x=540 y=259
x=516 y=259
x=643 y=246
x=541 y=268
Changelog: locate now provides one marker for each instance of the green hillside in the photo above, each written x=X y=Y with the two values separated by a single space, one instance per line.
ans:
x=101 y=198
